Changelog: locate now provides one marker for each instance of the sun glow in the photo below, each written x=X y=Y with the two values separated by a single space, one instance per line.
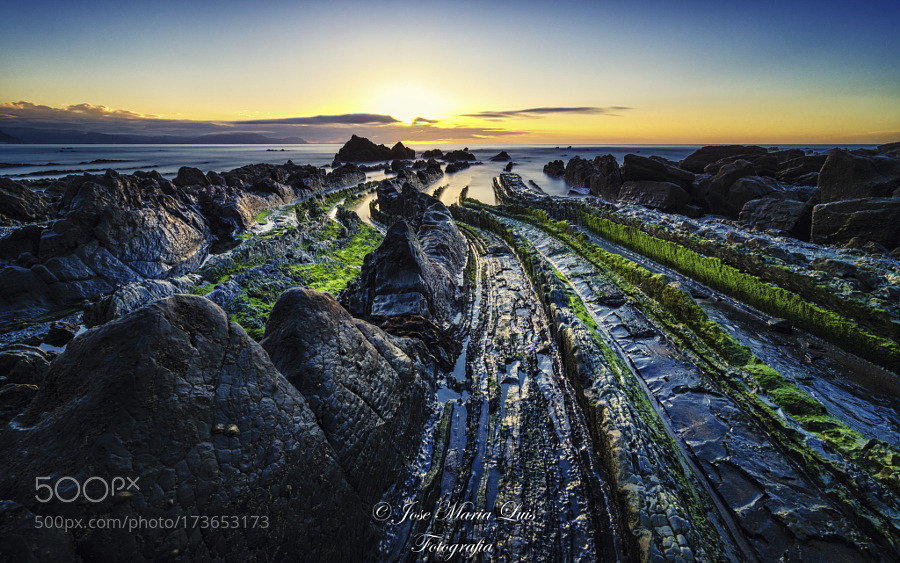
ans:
x=406 y=102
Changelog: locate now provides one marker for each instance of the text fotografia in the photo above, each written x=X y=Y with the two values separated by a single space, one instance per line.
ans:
x=93 y=489
x=447 y=511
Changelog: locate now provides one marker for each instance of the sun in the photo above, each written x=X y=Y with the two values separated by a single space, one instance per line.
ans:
x=408 y=101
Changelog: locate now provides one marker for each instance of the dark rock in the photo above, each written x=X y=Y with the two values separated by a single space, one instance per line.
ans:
x=764 y=164
x=508 y=167
x=188 y=176
x=456 y=166
x=399 y=279
x=501 y=156
x=133 y=296
x=161 y=381
x=27 y=365
x=890 y=149
x=361 y=383
x=20 y=203
x=60 y=333
x=715 y=192
x=845 y=176
x=601 y=176
x=657 y=195
x=872 y=219
x=14 y=397
x=23 y=540
x=803 y=170
x=360 y=149
x=402 y=152
x=770 y=214
x=701 y=158
x=640 y=168
x=433 y=153
x=455 y=156
x=556 y=168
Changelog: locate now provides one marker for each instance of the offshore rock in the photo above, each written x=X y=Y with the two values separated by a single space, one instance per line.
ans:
x=458 y=155
x=360 y=149
x=871 y=219
x=849 y=176
x=501 y=156
x=363 y=385
x=555 y=168
x=163 y=381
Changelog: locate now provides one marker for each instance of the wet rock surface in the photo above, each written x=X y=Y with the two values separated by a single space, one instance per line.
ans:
x=181 y=373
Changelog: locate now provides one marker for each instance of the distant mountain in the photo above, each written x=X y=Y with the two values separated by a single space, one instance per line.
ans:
x=74 y=137
x=4 y=138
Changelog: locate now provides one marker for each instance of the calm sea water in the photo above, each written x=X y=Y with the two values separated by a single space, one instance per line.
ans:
x=48 y=161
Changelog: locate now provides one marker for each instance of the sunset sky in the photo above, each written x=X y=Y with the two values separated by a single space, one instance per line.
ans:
x=510 y=72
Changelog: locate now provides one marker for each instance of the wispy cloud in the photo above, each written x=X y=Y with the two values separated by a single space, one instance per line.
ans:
x=73 y=112
x=343 y=119
x=541 y=112
x=21 y=117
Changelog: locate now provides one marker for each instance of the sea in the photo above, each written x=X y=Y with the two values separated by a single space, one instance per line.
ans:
x=23 y=162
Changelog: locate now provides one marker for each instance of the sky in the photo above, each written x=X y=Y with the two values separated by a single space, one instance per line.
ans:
x=559 y=72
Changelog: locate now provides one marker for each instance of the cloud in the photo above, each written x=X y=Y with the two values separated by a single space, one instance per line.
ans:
x=540 y=112
x=22 y=117
x=74 y=112
x=344 y=119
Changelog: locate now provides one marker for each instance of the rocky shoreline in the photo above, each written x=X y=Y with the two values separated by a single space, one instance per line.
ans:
x=691 y=360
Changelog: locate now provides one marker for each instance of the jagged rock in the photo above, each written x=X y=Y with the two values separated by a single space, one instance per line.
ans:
x=457 y=165
x=433 y=153
x=399 y=279
x=790 y=216
x=658 y=195
x=715 y=192
x=556 y=168
x=601 y=176
x=402 y=152
x=20 y=203
x=639 y=168
x=113 y=230
x=457 y=155
x=27 y=365
x=848 y=176
x=701 y=158
x=133 y=296
x=360 y=149
x=501 y=156
x=189 y=176
x=872 y=219
x=362 y=384
x=161 y=382
x=803 y=170
x=764 y=164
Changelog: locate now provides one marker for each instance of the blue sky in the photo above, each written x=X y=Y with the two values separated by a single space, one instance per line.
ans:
x=688 y=71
